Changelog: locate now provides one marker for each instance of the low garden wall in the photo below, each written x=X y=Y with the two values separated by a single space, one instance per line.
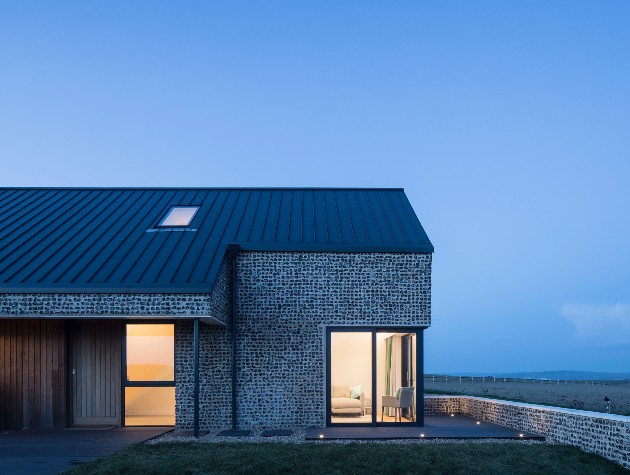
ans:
x=607 y=435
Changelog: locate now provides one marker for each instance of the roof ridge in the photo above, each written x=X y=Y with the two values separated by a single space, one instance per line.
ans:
x=265 y=188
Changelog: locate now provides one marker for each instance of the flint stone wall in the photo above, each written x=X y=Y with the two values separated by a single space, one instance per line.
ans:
x=607 y=435
x=105 y=305
x=285 y=301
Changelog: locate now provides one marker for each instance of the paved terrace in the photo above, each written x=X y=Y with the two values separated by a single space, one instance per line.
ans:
x=47 y=451
x=435 y=427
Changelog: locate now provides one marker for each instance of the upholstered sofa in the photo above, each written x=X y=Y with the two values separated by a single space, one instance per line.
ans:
x=343 y=404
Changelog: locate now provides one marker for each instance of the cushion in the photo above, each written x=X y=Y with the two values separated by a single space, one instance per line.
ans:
x=355 y=392
x=340 y=391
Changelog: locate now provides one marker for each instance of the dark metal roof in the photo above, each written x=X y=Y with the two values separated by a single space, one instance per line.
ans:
x=99 y=239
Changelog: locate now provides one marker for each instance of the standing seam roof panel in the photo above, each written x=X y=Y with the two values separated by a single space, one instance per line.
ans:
x=411 y=220
x=100 y=243
x=247 y=220
x=164 y=269
x=34 y=240
x=97 y=270
x=210 y=249
x=77 y=244
x=206 y=219
x=345 y=221
x=284 y=217
x=173 y=241
x=152 y=243
x=115 y=270
x=258 y=225
x=308 y=217
x=10 y=232
x=200 y=267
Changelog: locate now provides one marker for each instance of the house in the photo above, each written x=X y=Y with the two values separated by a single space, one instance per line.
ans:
x=211 y=307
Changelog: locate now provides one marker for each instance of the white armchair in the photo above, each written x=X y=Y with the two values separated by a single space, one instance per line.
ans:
x=403 y=400
x=344 y=405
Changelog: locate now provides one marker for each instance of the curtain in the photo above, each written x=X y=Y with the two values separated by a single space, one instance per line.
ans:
x=389 y=380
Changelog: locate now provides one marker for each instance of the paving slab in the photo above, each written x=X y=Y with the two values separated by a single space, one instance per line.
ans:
x=276 y=433
x=435 y=427
x=188 y=433
x=235 y=433
x=50 y=452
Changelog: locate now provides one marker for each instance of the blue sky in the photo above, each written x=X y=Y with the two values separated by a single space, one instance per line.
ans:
x=506 y=122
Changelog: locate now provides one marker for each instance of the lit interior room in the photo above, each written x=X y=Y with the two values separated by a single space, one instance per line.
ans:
x=352 y=399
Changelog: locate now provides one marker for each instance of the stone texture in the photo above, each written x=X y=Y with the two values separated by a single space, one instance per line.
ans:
x=285 y=301
x=607 y=435
x=105 y=305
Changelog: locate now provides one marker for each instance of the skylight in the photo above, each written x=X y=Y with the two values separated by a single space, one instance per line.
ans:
x=179 y=216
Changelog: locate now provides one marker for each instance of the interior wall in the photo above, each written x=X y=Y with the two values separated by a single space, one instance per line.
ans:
x=351 y=359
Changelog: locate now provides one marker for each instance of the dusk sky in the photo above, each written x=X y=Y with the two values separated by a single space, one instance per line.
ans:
x=507 y=123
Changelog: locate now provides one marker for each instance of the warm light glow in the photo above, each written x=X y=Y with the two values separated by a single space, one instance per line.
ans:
x=150 y=352
x=478 y=422
x=421 y=435
x=350 y=366
x=452 y=415
x=521 y=435
x=150 y=356
x=150 y=406
x=321 y=436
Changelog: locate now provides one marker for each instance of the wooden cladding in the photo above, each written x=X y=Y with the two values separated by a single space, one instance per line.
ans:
x=33 y=374
x=95 y=372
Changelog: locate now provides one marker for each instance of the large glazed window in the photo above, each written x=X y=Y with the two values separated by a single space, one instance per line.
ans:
x=372 y=376
x=396 y=377
x=149 y=375
x=351 y=377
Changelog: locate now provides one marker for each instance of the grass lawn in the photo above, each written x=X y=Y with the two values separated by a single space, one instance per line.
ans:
x=354 y=458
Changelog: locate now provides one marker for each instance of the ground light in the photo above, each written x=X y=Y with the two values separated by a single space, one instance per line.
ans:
x=478 y=423
x=321 y=436
x=521 y=435
x=421 y=435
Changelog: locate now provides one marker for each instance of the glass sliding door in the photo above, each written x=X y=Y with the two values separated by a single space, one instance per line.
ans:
x=396 y=377
x=149 y=374
x=351 y=377
x=373 y=376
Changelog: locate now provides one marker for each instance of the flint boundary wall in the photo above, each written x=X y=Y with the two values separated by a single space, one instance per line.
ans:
x=607 y=435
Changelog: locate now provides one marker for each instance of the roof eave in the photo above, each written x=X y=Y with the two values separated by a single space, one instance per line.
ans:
x=422 y=248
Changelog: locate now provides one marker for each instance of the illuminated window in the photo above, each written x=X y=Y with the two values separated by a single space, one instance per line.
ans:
x=149 y=406
x=179 y=216
x=150 y=352
x=149 y=373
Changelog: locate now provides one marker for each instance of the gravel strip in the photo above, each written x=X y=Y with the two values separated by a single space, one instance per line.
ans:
x=298 y=438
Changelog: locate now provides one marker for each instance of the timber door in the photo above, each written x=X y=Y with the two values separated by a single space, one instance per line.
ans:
x=95 y=372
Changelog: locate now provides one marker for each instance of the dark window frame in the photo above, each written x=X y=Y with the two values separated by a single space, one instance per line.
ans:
x=141 y=384
x=419 y=332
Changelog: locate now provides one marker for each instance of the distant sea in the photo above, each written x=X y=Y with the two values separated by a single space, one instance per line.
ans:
x=561 y=374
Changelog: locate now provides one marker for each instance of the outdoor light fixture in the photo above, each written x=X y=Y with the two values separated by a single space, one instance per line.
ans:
x=321 y=436
x=452 y=415
x=521 y=435
x=421 y=435
x=478 y=423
